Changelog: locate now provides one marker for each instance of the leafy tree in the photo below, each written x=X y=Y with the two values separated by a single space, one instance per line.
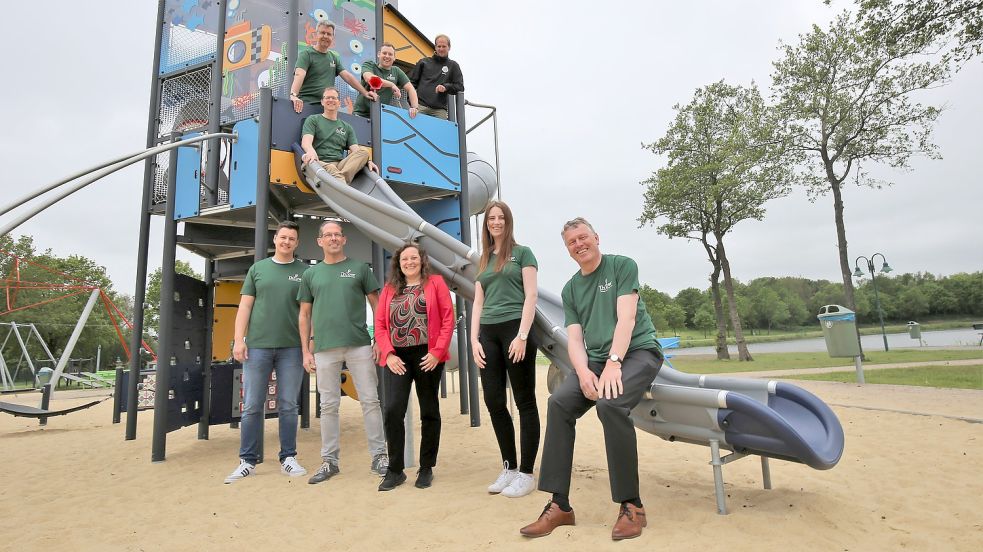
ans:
x=675 y=317
x=846 y=98
x=723 y=165
x=704 y=319
x=954 y=27
x=690 y=299
x=913 y=303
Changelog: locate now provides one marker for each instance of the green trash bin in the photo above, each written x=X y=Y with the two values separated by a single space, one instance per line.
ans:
x=840 y=330
x=914 y=330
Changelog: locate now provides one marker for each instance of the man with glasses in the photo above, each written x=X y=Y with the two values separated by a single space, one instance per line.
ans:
x=317 y=68
x=325 y=139
x=266 y=340
x=332 y=315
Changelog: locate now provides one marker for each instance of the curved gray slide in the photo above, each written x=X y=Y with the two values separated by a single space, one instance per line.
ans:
x=747 y=416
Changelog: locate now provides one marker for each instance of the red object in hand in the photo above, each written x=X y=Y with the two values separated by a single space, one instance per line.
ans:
x=375 y=82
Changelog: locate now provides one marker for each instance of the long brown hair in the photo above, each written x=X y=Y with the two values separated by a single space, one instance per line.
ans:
x=488 y=244
x=396 y=277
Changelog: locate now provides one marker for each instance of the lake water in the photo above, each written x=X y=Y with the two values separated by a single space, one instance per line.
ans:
x=941 y=338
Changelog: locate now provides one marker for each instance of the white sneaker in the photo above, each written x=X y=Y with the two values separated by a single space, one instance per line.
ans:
x=521 y=485
x=503 y=481
x=245 y=469
x=292 y=468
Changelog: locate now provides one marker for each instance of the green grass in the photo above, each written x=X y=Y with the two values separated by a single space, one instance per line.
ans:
x=708 y=364
x=957 y=377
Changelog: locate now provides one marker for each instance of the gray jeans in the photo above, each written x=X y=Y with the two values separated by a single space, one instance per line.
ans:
x=568 y=403
x=361 y=366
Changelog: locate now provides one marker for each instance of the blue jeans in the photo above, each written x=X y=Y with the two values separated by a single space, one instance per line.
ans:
x=287 y=362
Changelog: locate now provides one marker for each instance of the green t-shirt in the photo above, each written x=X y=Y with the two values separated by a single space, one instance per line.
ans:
x=273 y=319
x=592 y=302
x=337 y=292
x=503 y=290
x=394 y=75
x=331 y=138
x=321 y=72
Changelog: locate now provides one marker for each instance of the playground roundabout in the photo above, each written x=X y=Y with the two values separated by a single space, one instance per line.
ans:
x=908 y=480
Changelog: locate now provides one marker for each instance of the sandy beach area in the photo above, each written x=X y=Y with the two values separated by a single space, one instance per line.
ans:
x=909 y=479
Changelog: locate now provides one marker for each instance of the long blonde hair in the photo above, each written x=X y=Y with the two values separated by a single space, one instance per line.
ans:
x=488 y=243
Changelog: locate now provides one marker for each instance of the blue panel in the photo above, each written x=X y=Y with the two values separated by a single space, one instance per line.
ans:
x=420 y=151
x=444 y=213
x=242 y=177
x=187 y=193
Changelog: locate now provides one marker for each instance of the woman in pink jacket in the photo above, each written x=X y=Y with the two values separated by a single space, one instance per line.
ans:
x=413 y=326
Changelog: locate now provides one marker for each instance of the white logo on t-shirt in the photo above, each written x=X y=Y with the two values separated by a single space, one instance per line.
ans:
x=347 y=274
x=294 y=278
x=443 y=69
x=605 y=286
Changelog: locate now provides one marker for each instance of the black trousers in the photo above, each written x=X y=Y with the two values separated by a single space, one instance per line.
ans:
x=397 y=398
x=568 y=403
x=495 y=340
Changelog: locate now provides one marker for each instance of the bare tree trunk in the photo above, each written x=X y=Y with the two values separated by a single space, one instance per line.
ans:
x=735 y=317
x=718 y=310
x=845 y=272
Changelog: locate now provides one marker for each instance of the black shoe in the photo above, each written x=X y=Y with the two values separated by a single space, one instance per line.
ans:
x=392 y=480
x=424 y=478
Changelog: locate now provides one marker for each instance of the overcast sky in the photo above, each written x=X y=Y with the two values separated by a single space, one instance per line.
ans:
x=578 y=90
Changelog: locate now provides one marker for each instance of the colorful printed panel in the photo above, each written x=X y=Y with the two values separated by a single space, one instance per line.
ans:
x=354 y=35
x=188 y=36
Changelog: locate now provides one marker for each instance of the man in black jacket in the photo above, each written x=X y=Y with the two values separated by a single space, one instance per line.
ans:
x=436 y=77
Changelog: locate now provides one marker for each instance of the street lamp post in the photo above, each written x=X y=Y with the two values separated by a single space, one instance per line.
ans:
x=885 y=268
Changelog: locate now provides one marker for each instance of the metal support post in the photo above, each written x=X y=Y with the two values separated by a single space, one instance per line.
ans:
x=164 y=348
x=206 y=360
x=212 y=161
x=718 y=476
x=765 y=472
x=143 y=242
x=858 y=361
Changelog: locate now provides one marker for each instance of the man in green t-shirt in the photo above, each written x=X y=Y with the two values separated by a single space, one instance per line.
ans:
x=612 y=346
x=325 y=138
x=333 y=332
x=267 y=340
x=317 y=67
x=394 y=82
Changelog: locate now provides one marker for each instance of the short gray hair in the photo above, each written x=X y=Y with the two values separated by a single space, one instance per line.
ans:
x=579 y=221
x=325 y=23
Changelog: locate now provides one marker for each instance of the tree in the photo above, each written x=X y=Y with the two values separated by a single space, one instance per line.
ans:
x=675 y=317
x=953 y=27
x=151 y=311
x=845 y=97
x=704 y=319
x=724 y=163
x=690 y=299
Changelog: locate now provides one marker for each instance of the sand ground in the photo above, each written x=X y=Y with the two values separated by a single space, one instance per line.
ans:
x=909 y=479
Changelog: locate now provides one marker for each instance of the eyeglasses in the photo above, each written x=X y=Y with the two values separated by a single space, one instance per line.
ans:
x=337 y=236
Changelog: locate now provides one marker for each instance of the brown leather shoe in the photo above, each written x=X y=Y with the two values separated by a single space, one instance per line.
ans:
x=631 y=519
x=551 y=518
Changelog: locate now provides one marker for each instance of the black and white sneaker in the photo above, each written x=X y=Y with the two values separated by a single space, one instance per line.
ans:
x=245 y=469
x=292 y=468
x=380 y=465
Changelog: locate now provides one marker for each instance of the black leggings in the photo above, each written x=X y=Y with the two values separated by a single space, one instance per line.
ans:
x=495 y=340
x=397 y=399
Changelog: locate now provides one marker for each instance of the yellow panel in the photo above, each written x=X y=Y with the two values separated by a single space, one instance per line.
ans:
x=410 y=44
x=348 y=385
x=227 y=292
x=224 y=319
x=283 y=171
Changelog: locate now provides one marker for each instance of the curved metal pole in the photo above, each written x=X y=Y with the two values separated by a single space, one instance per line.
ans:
x=107 y=171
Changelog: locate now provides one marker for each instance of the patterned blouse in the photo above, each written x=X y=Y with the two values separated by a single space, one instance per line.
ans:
x=408 y=317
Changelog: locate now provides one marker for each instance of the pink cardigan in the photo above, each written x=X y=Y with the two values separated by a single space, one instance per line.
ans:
x=440 y=319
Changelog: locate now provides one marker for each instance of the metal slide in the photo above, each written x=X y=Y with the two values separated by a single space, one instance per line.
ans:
x=747 y=416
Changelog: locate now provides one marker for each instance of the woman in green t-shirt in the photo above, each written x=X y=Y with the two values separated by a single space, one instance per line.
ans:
x=504 y=307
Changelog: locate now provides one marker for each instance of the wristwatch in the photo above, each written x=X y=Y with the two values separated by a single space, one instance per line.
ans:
x=615 y=358
x=523 y=336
